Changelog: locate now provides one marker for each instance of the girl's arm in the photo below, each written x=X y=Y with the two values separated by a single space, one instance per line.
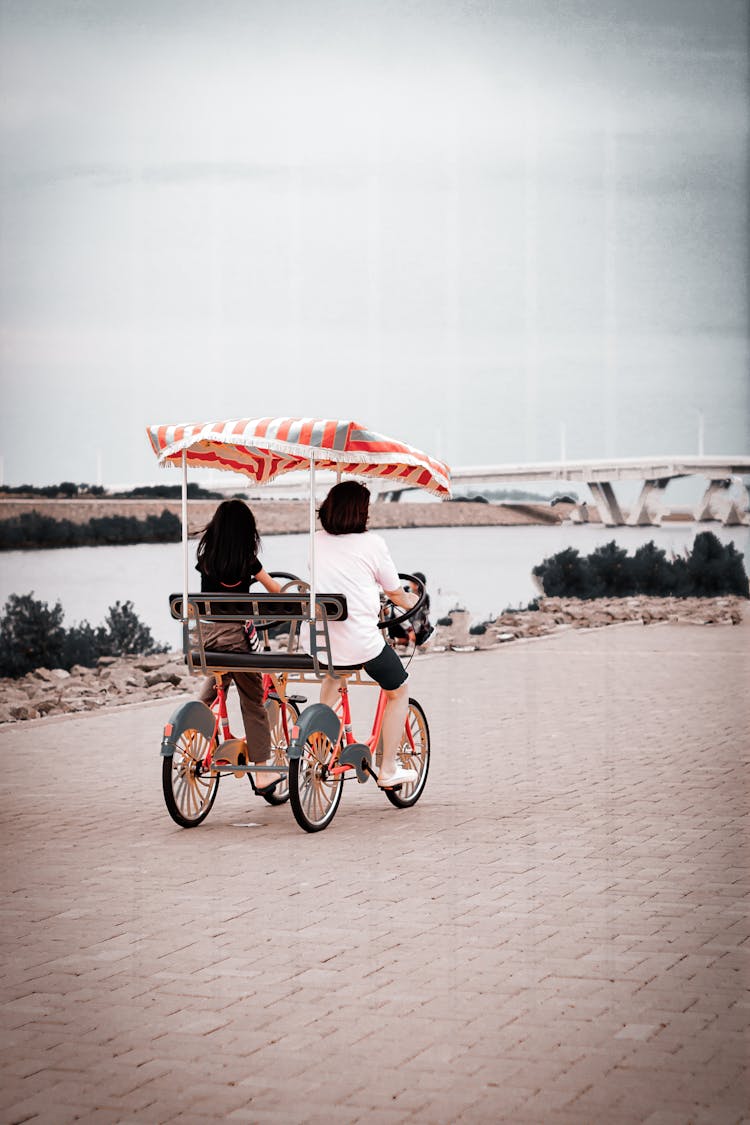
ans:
x=268 y=582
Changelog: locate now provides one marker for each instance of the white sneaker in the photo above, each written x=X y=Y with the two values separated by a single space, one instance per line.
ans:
x=400 y=776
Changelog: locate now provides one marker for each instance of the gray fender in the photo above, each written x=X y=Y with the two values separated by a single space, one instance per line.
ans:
x=192 y=715
x=315 y=717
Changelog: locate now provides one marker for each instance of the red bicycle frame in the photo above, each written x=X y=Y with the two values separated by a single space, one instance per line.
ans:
x=222 y=733
x=346 y=737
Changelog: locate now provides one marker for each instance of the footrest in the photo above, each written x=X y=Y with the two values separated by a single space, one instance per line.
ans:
x=357 y=755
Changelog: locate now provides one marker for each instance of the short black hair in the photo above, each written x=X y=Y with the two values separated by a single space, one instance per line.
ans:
x=345 y=509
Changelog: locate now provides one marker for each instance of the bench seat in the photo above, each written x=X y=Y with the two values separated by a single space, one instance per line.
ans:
x=268 y=661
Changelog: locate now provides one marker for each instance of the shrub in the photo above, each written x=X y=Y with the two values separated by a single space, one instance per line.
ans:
x=565 y=575
x=715 y=568
x=652 y=571
x=32 y=636
x=610 y=571
x=127 y=635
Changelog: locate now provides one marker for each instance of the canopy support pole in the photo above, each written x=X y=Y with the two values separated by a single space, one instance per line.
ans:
x=312 y=540
x=184 y=539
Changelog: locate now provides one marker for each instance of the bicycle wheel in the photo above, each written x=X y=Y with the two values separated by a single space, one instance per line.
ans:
x=189 y=791
x=279 y=745
x=416 y=757
x=314 y=792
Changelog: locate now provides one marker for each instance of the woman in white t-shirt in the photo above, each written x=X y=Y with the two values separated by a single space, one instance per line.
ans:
x=353 y=561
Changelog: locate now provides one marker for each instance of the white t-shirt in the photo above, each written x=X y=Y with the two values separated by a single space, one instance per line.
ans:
x=358 y=566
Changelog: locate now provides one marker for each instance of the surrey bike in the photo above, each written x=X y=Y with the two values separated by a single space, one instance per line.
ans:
x=314 y=750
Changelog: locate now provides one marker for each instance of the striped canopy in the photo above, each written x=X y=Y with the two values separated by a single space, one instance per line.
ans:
x=264 y=448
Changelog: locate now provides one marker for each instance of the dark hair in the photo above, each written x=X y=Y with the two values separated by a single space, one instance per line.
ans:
x=230 y=543
x=345 y=509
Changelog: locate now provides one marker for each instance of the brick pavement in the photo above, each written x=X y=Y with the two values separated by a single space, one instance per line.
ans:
x=557 y=932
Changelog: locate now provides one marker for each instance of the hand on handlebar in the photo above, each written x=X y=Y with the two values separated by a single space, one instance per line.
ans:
x=403 y=598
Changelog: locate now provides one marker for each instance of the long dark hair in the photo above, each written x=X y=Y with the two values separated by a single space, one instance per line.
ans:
x=230 y=543
x=345 y=509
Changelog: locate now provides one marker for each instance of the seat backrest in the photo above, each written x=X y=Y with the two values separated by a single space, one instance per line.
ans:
x=259 y=608
x=264 y=610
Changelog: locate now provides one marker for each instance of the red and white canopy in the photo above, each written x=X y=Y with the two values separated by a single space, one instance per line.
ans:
x=264 y=448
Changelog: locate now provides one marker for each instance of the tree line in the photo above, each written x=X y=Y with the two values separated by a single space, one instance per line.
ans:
x=709 y=569
x=68 y=490
x=34 y=530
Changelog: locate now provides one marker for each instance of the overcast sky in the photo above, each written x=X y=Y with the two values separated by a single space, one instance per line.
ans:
x=474 y=225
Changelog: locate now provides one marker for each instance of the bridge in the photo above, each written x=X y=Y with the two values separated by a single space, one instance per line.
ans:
x=600 y=475
x=655 y=472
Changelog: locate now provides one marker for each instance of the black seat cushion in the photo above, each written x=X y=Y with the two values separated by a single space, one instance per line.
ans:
x=268 y=662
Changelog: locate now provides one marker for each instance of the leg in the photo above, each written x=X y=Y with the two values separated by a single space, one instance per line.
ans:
x=388 y=671
x=254 y=715
x=394 y=718
x=329 y=692
x=208 y=691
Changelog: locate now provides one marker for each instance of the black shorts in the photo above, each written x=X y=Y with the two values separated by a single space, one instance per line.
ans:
x=386 y=669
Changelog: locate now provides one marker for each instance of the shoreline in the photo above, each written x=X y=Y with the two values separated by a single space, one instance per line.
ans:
x=291 y=517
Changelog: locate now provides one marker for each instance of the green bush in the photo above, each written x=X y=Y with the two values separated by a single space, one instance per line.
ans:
x=652 y=571
x=709 y=569
x=565 y=575
x=32 y=636
x=611 y=570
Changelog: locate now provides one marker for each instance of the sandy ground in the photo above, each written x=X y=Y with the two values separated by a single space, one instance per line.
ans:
x=558 y=931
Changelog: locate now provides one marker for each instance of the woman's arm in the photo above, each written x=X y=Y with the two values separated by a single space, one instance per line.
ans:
x=266 y=580
x=404 y=598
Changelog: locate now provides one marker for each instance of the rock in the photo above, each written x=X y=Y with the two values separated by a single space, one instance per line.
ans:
x=51 y=675
x=44 y=706
x=72 y=705
x=106 y=661
x=24 y=711
x=151 y=663
x=165 y=676
x=123 y=679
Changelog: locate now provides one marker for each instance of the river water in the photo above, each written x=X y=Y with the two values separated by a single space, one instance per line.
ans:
x=484 y=569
